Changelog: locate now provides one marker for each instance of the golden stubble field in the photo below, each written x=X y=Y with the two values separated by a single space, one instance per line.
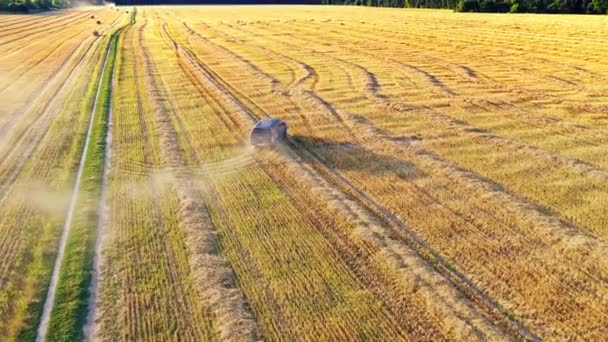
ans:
x=445 y=177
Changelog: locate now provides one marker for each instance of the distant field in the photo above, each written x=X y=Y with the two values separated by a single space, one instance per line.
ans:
x=445 y=178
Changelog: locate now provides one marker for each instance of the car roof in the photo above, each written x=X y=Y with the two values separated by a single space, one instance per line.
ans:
x=267 y=123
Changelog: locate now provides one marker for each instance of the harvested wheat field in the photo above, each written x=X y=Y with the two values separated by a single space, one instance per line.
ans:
x=445 y=176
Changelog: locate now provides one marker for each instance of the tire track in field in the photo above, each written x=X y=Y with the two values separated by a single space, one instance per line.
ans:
x=576 y=166
x=372 y=84
x=482 y=42
x=541 y=122
x=463 y=70
x=50 y=298
x=501 y=86
x=274 y=81
x=419 y=247
x=308 y=74
x=538 y=122
x=292 y=106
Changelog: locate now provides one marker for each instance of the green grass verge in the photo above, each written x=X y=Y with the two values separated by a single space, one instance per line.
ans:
x=71 y=302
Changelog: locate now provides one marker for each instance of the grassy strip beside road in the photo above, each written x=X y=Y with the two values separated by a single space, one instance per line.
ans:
x=44 y=252
x=71 y=301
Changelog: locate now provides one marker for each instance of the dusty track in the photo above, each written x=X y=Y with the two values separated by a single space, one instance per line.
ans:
x=90 y=332
x=50 y=298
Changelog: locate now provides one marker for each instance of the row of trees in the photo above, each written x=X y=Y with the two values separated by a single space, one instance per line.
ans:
x=376 y=3
x=513 y=6
x=535 y=6
x=31 y=5
x=214 y=2
x=40 y=5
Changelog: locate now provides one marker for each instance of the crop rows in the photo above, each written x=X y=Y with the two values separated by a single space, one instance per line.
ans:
x=520 y=215
x=291 y=284
x=281 y=308
x=440 y=181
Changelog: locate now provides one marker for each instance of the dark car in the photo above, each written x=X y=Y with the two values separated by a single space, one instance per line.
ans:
x=268 y=132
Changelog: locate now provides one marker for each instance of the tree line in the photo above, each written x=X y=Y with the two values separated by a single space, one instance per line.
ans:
x=498 y=6
x=216 y=2
x=25 y=6
x=31 y=5
x=40 y=5
x=513 y=6
x=375 y=3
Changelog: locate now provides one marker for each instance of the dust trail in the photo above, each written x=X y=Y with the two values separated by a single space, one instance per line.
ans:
x=42 y=197
x=242 y=158
x=229 y=165
x=50 y=298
